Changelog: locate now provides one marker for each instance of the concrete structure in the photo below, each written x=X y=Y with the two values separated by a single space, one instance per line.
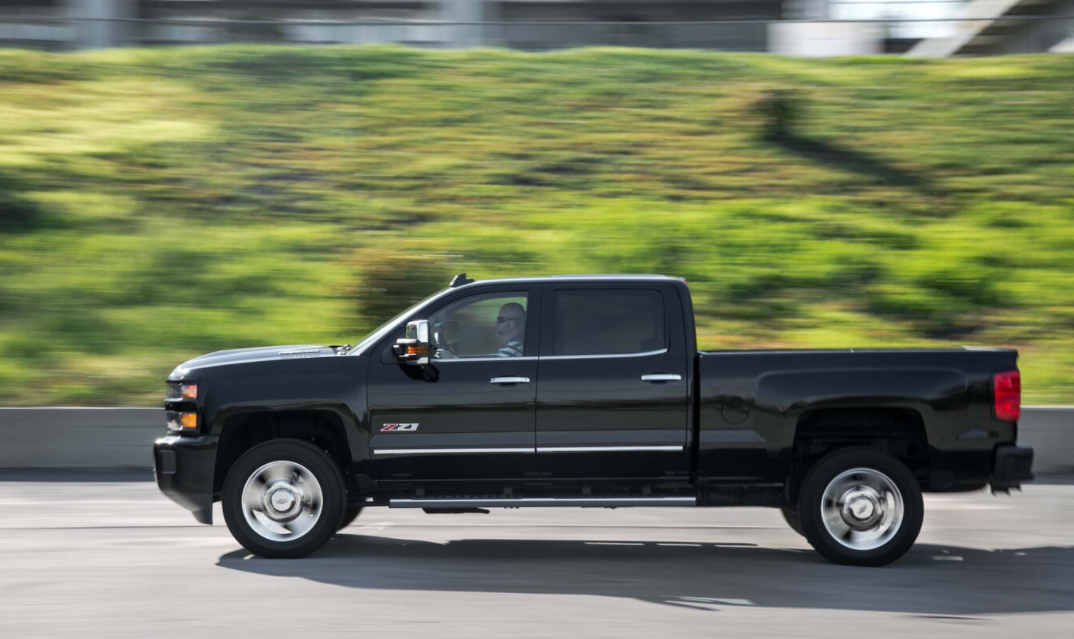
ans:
x=999 y=27
x=92 y=26
x=792 y=27
x=79 y=438
x=824 y=39
x=121 y=438
x=522 y=24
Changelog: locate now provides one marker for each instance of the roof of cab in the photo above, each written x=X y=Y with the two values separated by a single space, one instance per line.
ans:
x=461 y=280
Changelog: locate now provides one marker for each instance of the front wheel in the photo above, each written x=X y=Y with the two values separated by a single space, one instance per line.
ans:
x=349 y=516
x=861 y=507
x=283 y=499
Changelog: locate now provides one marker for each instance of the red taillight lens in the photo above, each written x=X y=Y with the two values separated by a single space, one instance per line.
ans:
x=1007 y=395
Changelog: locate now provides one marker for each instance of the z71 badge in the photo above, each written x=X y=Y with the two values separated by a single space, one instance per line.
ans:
x=398 y=427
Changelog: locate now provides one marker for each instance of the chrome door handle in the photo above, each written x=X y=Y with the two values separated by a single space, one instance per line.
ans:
x=509 y=380
x=661 y=377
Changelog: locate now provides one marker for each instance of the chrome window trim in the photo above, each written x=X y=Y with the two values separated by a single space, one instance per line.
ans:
x=526 y=359
x=607 y=449
x=441 y=451
x=483 y=359
x=645 y=354
x=539 y=449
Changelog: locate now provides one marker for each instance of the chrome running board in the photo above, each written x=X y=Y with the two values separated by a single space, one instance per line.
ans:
x=546 y=502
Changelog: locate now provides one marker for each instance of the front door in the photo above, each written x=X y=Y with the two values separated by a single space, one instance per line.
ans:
x=470 y=413
x=612 y=400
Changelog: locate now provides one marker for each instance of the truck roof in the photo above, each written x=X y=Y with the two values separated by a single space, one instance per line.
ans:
x=461 y=279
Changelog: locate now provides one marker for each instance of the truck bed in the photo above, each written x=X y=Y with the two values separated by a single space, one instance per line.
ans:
x=753 y=404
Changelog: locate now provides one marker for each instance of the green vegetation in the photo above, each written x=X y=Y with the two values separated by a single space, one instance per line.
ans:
x=157 y=204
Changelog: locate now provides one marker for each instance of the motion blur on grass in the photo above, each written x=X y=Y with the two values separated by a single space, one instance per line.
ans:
x=158 y=204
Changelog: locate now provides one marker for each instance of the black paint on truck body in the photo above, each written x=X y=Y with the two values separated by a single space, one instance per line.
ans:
x=742 y=422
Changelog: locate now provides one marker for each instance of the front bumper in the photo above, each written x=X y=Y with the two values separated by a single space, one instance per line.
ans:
x=184 y=469
x=1012 y=465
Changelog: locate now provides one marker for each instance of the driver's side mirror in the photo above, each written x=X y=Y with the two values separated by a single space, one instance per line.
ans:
x=414 y=347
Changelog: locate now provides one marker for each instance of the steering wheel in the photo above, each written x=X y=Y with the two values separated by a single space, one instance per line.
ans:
x=440 y=343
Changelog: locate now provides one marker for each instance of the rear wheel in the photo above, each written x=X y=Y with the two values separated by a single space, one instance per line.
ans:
x=284 y=498
x=861 y=507
x=791 y=517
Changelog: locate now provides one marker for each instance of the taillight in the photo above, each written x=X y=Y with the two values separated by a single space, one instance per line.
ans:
x=1007 y=395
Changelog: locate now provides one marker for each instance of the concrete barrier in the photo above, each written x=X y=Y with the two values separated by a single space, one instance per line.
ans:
x=121 y=438
x=1050 y=431
x=79 y=438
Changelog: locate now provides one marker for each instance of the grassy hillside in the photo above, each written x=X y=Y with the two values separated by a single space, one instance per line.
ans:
x=157 y=204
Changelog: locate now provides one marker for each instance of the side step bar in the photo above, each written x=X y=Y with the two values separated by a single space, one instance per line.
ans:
x=455 y=511
x=546 y=502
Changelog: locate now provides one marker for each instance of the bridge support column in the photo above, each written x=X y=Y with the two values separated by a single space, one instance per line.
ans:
x=461 y=36
x=99 y=23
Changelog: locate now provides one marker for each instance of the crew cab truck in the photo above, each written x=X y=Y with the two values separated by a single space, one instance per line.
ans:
x=583 y=391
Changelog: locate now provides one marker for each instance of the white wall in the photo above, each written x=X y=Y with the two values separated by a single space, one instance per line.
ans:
x=824 y=39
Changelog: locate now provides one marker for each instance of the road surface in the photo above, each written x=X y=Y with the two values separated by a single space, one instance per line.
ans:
x=107 y=556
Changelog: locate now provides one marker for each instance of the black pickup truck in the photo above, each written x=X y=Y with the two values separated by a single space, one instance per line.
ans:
x=583 y=391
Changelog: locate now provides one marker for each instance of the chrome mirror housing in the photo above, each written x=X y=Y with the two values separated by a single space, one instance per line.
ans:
x=414 y=347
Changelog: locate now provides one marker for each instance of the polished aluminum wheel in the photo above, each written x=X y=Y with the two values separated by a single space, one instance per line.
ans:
x=862 y=509
x=282 y=501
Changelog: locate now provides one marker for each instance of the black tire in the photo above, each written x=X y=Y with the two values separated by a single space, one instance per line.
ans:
x=791 y=517
x=349 y=515
x=328 y=479
x=875 y=464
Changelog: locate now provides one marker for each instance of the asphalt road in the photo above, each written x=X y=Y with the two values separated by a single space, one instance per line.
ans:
x=104 y=556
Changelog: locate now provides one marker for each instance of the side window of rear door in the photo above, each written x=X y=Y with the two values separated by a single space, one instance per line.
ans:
x=608 y=322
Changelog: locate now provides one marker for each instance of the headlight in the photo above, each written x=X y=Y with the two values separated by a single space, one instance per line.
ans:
x=182 y=391
x=182 y=421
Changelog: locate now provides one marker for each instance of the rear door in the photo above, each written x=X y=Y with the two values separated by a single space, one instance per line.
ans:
x=612 y=396
x=470 y=413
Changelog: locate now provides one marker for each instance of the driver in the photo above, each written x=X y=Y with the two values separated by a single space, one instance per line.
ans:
x=511 y=327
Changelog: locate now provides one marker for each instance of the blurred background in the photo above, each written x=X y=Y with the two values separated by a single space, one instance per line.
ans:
x=825 y=173
x=183 y=176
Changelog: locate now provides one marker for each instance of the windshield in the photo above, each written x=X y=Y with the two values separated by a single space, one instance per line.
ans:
x=389 y=326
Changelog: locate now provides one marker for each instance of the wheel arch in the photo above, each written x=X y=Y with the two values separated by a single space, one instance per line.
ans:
x=322 y=426
x=899 y=430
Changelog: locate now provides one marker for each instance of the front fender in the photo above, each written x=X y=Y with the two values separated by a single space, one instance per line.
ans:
x=335 y=384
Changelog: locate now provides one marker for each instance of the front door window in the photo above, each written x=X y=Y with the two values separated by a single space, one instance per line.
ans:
x=481 y=326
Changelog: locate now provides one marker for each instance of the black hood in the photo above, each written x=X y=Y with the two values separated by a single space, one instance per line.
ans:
x=247 y=355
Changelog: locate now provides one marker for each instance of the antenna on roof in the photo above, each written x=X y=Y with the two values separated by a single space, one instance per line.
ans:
x=460 y=280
